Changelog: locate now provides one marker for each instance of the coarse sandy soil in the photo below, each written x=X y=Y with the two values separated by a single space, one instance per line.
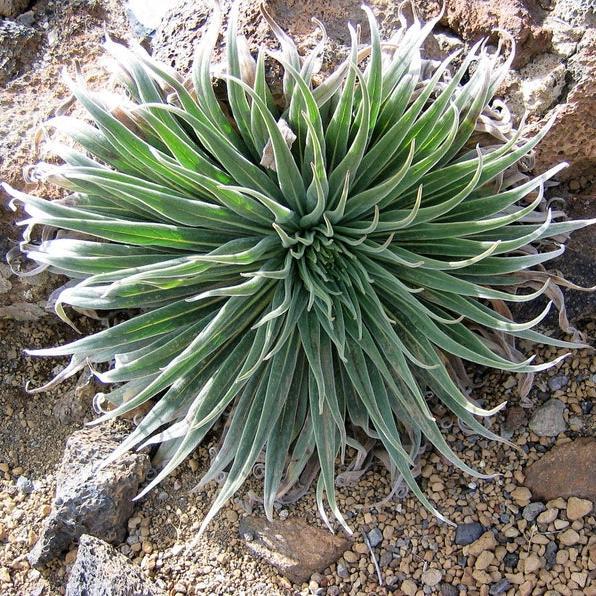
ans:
x=417 y=554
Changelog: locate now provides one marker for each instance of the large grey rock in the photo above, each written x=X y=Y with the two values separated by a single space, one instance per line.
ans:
x=294 y=547
x=100 y=570
x=89 y=500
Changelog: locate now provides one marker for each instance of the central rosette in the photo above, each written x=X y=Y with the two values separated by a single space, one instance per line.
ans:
x=328 y=268
x=322 y=261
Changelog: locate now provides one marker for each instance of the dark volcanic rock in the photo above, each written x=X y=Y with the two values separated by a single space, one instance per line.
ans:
x=89 y=500
x=468 y=533
x=499 y=587
x=18 y=48
x=532 y=510
x=100 y=570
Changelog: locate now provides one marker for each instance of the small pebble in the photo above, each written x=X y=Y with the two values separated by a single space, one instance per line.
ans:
x=5 y=575
x=580 y=578
x=532 y=564
x=449 y=590
x=468 y=533
x=486 y=542
x=25 y=485
x=578 y=508
x=558 y=503
x=409 y=587
x=70 y=556
x=516 y=418
x=499 y=587
x=576 y=423
x=431 y=577
x=569 y=537
x=375 y=537
x=521 y=495
x=558 y=382
x=388 y=532
x=550 y=554
x=548 y=516
x=548 y=420
x=484 y=559
x=531 y=511
x=350 y=556
x=511 y=560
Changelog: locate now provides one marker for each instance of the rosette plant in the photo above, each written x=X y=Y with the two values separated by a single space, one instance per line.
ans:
x=304 y=271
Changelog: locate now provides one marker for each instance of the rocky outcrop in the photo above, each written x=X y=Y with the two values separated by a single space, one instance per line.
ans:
x=90 y=500
x=182 y=28
x=556 y=58
x=560 y=84
x=294 y=547
x=578 y=13
x=100 y=570
x=573 y=135
x=19 y=45
x=473 y=20
x=12 y=8
x=567 y=470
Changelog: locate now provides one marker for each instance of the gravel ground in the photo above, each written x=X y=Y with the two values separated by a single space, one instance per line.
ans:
x=527 y=550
